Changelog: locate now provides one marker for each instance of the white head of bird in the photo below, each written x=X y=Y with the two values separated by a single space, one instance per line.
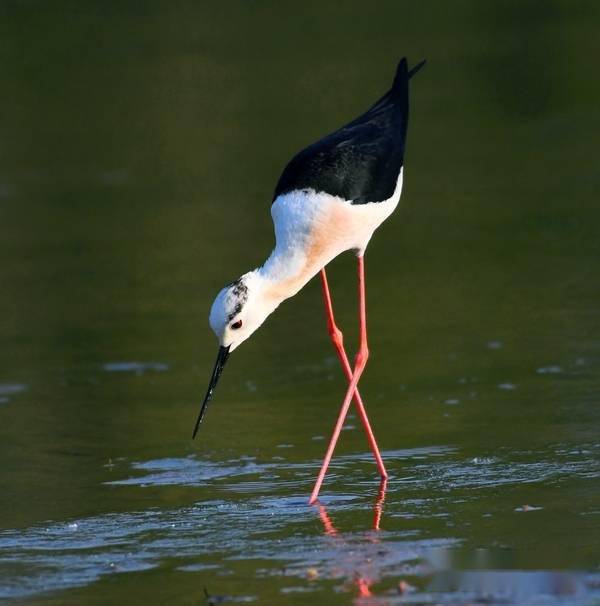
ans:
x=239 y=309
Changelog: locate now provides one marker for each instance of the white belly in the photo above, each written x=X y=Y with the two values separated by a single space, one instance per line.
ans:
x=312 y=228
x=344 y=226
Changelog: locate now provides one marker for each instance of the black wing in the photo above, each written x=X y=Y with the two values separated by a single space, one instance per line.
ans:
x=361 y=161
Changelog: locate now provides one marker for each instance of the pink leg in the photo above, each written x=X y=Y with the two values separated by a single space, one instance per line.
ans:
x=338 y=341
x=359 y=365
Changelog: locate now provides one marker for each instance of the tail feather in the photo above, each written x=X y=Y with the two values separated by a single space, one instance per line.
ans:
x=416 y=68
x=403 y=74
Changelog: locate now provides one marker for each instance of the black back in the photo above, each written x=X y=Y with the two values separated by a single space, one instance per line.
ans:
x=361 y=161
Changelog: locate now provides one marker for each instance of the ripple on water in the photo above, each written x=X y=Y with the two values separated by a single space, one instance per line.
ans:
x=507 y=386
x=138 y=368
x=58 y=556
x=429 y=468
x=550 y=370
x=273 y=526
x=188 y=471
x=9 y=389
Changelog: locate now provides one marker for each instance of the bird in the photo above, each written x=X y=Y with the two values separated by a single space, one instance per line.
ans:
x=330 y=198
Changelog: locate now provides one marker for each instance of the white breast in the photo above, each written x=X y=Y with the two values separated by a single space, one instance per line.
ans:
x=350 y=226
x=313 y=228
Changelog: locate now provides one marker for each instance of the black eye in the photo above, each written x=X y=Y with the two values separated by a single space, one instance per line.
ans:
x=236 y=325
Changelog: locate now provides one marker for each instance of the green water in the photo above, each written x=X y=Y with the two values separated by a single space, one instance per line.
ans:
x=139 y=147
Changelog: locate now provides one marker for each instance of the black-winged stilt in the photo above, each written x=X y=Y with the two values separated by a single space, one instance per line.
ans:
x=330 y=198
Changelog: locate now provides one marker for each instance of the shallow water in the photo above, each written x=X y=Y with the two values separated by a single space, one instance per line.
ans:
x=438 y=530
x=139 y=151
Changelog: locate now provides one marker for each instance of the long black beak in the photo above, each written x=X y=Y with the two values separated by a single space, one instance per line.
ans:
x=219 y=365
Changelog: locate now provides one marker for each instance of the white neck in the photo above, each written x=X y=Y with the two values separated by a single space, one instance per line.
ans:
x=293 y=261
x=284 y=273
x=285 y=264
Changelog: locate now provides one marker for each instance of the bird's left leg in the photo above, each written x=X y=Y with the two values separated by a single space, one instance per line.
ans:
x=359 y=365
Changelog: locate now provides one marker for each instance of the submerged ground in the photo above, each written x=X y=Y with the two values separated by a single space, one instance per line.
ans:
x=138 y=153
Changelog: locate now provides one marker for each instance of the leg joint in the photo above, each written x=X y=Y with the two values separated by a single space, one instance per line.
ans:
x=362 y=356
x=337 y=336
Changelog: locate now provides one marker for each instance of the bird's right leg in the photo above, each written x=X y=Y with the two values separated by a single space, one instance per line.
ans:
x=337 y=339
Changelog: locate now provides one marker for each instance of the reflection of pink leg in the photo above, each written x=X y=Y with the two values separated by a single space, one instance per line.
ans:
x=378 y=508
x=338 y=341
x=328 y=526
x=364 y=586
x=359 y=365
x=331 y=530
x=362 y=582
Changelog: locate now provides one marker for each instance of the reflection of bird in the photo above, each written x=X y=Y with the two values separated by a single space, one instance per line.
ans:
x=330 y=198
x=360 y=565
x=330 y=529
